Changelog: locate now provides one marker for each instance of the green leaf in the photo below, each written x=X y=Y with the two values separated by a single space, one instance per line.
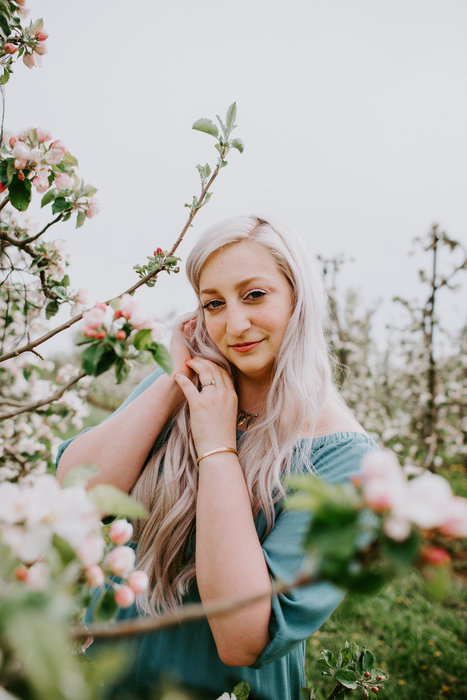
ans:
x=328 y=657
x=80 y=219
x=20 y=193
x=238 y=144
x=80 y=475
x=347 y=678
x=66 y=551
x=122 y=370
x=51 y=309
x=368 y=660
x=4 y=179
x=60 y=204
x=242 y=691
x=162 y=357
x=97 y=358
x=106 y=607
x=207 y=126
x=143 y=339
x=230 y=118
x=70 y=160
x=111 y=501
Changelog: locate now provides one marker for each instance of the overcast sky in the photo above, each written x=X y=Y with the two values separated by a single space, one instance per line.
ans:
x=353 y=114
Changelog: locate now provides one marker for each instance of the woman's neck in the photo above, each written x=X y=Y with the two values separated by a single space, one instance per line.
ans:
x=251 y=395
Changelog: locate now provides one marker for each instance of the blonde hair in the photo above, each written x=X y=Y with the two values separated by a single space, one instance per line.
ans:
x=301 y=381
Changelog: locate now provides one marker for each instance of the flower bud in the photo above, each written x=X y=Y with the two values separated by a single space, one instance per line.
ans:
x=435 y=555
x=63 y=182
x=100 y=335
x=21 y=176
x=21 y=573
x=95 y=576
x=120 y=335
x=41 y=35
x=41 y=49
x=28 y=60
x=118 y=313
x=2 y=187
x=374 y=689
x=367 y=674
x=91 y=550
x=121 y=561
x=121 y=531
x=124 y=597
x=138 y=581
x=10 y=48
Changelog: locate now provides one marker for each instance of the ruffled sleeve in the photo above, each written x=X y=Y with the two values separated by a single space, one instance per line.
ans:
x=298 y=614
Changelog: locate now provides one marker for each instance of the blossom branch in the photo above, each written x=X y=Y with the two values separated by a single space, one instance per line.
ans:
x=28 y=347
x=55 y=397
x=187 y=613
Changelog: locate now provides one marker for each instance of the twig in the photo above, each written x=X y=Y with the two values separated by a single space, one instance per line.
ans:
x=58 y=218
x=4 y=202
x=30 y=345
x=187 y=613
x=58 y=394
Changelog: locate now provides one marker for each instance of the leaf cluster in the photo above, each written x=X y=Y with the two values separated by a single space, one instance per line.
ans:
x=156 y=263
x=354 y=668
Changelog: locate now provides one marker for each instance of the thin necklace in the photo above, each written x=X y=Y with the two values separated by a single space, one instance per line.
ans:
x=245 y=418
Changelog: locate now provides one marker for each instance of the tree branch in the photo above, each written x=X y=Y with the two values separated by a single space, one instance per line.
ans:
x=58 y=395
x=4 y=202
x=186 y=613
x=28 y=347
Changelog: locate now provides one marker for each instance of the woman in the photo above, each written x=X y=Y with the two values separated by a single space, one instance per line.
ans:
x=251 y=373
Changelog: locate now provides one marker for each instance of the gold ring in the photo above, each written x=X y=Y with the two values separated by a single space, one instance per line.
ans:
x=211 y=383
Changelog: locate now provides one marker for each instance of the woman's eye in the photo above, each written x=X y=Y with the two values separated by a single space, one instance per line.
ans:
x=255 y=294
x=213 y=304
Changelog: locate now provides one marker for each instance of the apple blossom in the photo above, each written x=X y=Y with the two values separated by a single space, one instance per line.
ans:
x=36 y=155
x=428 y=500
x=396 y=529
x=121 y=561
x=120 y=335
x=455 y=524
x=93 y=208
x=28 y=60
x=21 y=151
x=127 y=306
x=55 y=153
x=157 y=332
x=41 y=35
x=140 y=318
x=91 y=550
x=95 y=576
x=41 y=184
x=27 y=545
x=10 y=48
x=37 y=576
x=2 y=187
x=41 y=49
x=94 y=318
x=43 y=135
x=138 y=581
x=121 y=532
x=435 y=555
x=63 y=182
x=124 y=597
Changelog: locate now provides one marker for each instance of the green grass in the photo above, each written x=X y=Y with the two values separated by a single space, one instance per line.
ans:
x=419 y=642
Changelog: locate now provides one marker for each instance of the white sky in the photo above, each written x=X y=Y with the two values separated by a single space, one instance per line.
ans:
x=353 y=114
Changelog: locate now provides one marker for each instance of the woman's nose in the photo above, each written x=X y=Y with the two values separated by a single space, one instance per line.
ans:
x=238 y=320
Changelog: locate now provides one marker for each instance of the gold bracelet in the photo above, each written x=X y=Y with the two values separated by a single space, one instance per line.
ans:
x=213 y=452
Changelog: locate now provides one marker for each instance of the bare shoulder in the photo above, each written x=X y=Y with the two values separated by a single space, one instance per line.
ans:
x=334 y=418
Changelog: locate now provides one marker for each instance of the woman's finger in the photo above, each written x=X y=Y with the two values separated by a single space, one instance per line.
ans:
x=187 y=386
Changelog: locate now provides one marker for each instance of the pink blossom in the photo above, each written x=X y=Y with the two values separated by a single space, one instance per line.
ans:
x=93 y=208
x=138 y=581
x=121 y=561
x=12 y=141
x=140 y=318
x=41 y=184
x=41 y=48
x=384 y=483
x=456 y=523
x=121 y=531
x=37 y=576
x=94 y=318
x=10 y=48
x=19 y=165
x=41 y=35
x=15 y=503
x=95 y=576
x=27 y=545
x=124 y=597
x=55 y=153
x=396 y=529
x=91 y=550
x=36 y=155
x=28 y=60
x=157 y=332
x=73 y=516
x=21 y=151
x=428 y=500
x=120 y=335
x=127 y=305
x=43 y=135
x=63 y=182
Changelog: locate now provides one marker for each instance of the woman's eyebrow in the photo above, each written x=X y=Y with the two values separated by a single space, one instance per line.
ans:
x=240 y=284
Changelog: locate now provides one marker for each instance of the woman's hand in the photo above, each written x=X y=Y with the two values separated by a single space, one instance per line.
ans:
x=213 y=409
x=184 y=327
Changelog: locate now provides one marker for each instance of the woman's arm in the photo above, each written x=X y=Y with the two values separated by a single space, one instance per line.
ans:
x=119 y=446
x=229 y=560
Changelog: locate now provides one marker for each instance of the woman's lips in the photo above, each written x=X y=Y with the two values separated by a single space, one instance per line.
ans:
x=246 y=347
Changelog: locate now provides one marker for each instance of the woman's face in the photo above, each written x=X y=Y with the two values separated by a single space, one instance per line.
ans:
x=247 y=303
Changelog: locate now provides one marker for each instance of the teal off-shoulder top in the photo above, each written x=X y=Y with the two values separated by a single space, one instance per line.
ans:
x=187 y=653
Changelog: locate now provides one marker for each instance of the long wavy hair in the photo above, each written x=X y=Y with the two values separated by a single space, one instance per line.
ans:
x=302 y=379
